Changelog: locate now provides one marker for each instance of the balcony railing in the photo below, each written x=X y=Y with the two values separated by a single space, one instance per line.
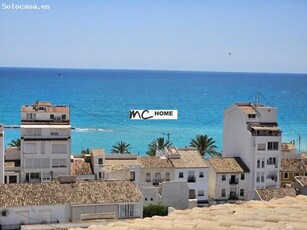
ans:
x=156 y=181
x=191 y=179
x=233 y=181
x=233 y=197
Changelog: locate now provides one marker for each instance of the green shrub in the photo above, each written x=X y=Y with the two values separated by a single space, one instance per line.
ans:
x=155 y=210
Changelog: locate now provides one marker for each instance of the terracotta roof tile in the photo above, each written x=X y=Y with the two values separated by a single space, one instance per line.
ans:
x=54 y=193
x=189 y=158
x=293 y=165
x=80 y=167
x=275 y=193
x=228 y=165
x=154 y=162
x=302 y=180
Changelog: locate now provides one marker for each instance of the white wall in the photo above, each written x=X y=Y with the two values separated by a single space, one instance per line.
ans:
x=220 y=184
x=175 y=194
x=200 y=184
x=34 y=215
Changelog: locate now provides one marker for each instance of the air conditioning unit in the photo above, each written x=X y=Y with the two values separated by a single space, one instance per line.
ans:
x=5 y=213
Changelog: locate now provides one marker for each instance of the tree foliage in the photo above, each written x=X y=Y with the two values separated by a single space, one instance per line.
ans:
x=159 y=143
x=155 y=210
x=120 y=147
x=204 y=145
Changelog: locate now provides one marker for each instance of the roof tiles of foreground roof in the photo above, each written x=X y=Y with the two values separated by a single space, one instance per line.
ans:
x=285 y=213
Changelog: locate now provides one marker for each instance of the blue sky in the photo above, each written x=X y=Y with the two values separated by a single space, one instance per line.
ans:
x=262 y=36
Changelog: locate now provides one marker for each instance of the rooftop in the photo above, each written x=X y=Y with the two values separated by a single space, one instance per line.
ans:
x=293 y=165
x=302 y=180
x=55 y=193
x=287 y=146
x=98 y=152
x=123 y=161
x=80 y=167
x=285 y=213
x=303 y=155
x=44 y=107
x=154 y=162
x=115 y=168
x=189 y=158
x=275 y=193
x=228 y=165
x=120 y=156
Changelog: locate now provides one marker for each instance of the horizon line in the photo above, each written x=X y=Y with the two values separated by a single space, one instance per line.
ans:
x=165 y=70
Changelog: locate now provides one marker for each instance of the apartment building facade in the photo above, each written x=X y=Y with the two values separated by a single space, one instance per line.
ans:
x=228 y=179
x=251 y=132
x=45 y=142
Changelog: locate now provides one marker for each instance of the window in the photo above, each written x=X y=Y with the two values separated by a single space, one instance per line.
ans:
x=241 y=192
x=223 y=193
x=305 y=173
x=201 y=193
x=272 y=145
x=132 y=176
x=28 y=164
x=100 y=161
x=251 y=115
x=59 y=163
x=258 y=177
x=54 y=134
x=191 y=176
x=258 y=163
x=29 y=148
x=262 y=177
x=201 y=174
x=261 y=146
x=59 y=148
x=223 y=177
x=43 y=149
x=286 y=175
x=148 y=177
x=180 y=174
x=242 y=176
x=129 y=210
x=167 y=176
x=262 y=163
x=99 y=175
x=51 y=116
x=35 y=175
x=145 y=199
x=63 y=116
x=151 y=199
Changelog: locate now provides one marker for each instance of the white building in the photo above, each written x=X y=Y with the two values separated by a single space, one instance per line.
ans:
x=190 y=166
x=228 y=179
x=12 y=165
x=45 y=142
x=251 y=132
x=1 y=154
x=55 y=202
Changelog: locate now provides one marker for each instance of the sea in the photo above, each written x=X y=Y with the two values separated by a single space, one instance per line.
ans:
x=100 y=101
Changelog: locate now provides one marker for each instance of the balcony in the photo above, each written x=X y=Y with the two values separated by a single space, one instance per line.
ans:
x=233 y=197
x=191 y=179
x=233 y=181
x=156 y=182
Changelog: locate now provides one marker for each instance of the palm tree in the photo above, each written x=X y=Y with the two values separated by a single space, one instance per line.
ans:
x=120 y=147
x=86 y=151
x=159 y=143
x=15 y=143
x=204 y=145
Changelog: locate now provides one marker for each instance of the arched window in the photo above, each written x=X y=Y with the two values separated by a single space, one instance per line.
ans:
x=148 y=177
